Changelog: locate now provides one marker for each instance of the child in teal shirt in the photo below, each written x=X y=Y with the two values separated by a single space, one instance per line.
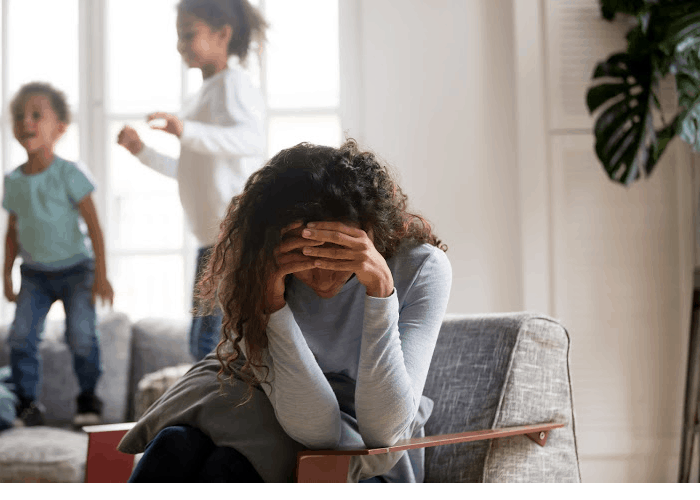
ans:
x=53 y=226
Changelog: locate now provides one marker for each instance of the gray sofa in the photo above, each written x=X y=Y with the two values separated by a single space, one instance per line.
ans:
x=488 y=371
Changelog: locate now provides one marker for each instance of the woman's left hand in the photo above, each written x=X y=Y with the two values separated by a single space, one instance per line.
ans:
x=352 y=250
x=173 y=125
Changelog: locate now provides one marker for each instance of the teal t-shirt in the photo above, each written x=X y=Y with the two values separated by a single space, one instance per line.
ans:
x=51 y=232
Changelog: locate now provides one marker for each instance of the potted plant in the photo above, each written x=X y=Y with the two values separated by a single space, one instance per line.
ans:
x=665 y=39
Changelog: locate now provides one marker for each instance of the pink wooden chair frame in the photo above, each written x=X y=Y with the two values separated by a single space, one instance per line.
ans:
x=106 y=464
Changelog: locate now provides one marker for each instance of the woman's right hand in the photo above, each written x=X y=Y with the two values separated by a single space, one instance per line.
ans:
x=290 y=259
x=129 y=138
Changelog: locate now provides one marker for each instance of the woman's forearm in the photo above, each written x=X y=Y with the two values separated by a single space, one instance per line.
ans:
x=397 y=346
x=304 y=402
x=385 y=403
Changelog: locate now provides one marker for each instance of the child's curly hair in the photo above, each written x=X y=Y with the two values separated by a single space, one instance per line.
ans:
x=303 y=183
x=58 y=100
x=247 y=23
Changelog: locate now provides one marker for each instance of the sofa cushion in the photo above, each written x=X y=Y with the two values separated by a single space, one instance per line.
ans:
x=153 y=386
x=501 y=370
x=156 y=343
x=59 y=385
x=42 y=455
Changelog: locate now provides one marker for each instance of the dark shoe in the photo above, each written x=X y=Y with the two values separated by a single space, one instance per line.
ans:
x=29 y=413
x=89 y=410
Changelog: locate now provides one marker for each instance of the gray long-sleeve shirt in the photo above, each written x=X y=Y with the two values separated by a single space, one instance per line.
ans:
x=384 y=344
x=345 y=372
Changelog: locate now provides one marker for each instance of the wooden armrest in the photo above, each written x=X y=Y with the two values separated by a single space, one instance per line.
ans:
x=330 y=466
x=106 y=464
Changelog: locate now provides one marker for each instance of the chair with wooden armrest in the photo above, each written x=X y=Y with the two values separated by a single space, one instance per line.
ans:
x=498 y=372
x=106 y=464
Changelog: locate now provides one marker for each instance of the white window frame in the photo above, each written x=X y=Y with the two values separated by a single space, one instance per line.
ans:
x=93 y=118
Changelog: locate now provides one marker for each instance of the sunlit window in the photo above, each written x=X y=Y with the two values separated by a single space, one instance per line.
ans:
x=134 y=69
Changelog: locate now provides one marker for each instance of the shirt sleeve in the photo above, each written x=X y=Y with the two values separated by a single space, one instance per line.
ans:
x=301 y=396
x=79 y=182
x=159 y=162
x=396 y=350
x=243 y=105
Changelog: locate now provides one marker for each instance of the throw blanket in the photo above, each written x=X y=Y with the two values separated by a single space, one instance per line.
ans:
x=199 y=400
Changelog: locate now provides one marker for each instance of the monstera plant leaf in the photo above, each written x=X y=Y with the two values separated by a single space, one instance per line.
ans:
x=688 y=86
x=665 y=40
x=686 y=67
x=626 y=141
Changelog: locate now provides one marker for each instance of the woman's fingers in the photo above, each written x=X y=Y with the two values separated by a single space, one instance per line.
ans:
x=296 y=243
x=293 y=263
x=337 y=253
x=357 y=240
x=336 y=226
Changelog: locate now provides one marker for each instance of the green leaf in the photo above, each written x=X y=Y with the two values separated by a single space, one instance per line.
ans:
x=688 y=89
x=600 y=94
x=626 y=142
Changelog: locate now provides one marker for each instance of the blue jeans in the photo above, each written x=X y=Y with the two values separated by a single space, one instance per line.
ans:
x=184 y=454
x=206 y=330
x=40 y=289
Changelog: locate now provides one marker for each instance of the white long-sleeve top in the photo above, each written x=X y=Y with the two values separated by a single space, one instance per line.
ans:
x=222 y=143
x=384 y=344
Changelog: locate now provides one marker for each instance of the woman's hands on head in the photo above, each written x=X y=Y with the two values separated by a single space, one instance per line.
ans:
x=290 y=260
x=324 y=255
x=350 y=249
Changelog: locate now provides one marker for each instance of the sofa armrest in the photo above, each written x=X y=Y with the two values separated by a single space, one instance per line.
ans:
x=105 y=463
x=332 y=466
x=501 y=370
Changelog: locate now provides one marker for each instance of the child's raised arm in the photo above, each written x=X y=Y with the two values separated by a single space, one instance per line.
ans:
x=11 y=249
x=130 y=140
x=101 y=286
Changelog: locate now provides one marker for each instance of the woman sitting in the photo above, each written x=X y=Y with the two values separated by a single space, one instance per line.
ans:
x=333 y=295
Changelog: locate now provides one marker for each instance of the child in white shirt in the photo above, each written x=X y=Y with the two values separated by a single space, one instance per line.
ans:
x=221 y=130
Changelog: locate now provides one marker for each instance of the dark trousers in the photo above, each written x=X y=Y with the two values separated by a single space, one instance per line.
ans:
x=184 y=454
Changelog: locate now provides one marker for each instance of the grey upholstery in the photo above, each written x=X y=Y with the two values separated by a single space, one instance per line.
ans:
x=156 y=344
x=487 y=371
x=59 y=386
x=491 y=371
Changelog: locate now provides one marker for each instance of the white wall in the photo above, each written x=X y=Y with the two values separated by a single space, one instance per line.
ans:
x=479 y=106
x=438 y=93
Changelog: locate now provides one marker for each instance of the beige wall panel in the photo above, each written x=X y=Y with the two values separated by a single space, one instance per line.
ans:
x=618 y=287
x=577 y=39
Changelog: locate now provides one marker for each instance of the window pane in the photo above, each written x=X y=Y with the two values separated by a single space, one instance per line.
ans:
x=143 y=65
x=149 y=286
x=43 y=45
x=145 y=205
x=68 y=147
x=302 y=53
x=289 y=131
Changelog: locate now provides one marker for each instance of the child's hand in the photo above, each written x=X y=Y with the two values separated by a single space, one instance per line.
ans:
x=173 y=125
x=102 y=288
x=9 y=291
x=129 y=138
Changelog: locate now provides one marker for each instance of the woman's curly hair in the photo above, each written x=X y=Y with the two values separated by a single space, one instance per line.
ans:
x=303 y=183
